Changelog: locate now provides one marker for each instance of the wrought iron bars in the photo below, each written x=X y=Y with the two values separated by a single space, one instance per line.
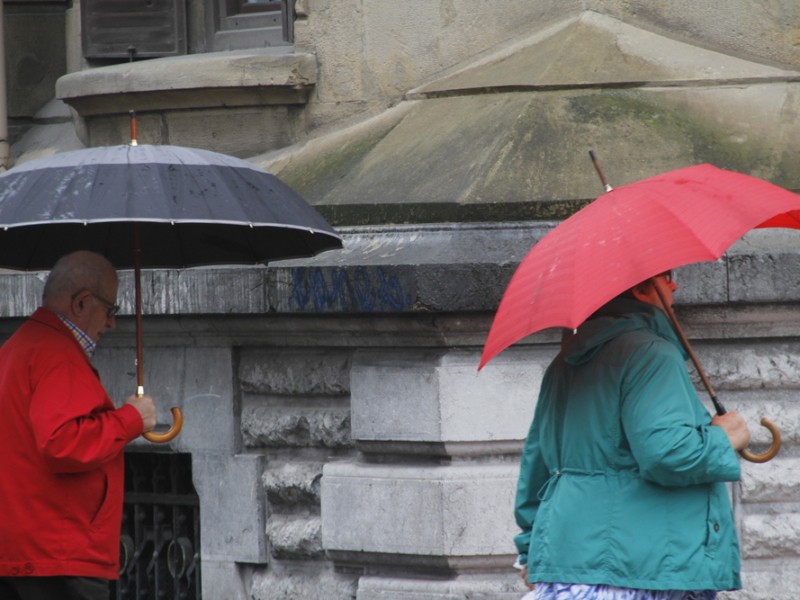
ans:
x=160 y=543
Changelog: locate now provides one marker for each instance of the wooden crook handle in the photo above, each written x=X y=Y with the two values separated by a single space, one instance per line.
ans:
x=177 y=425
x=770 y=453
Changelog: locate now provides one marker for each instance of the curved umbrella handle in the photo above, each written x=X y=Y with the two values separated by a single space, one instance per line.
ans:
x=177 y=424
x=770 y=453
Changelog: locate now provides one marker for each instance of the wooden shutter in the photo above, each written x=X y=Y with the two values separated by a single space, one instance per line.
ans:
x=151 y=28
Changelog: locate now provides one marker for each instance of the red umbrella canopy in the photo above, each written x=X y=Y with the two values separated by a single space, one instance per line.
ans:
x=631 y=233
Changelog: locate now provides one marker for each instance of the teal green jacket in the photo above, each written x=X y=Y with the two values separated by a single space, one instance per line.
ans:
x=622 y=474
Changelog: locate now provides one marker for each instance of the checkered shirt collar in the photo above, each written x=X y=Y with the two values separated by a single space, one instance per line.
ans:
x=87 y=343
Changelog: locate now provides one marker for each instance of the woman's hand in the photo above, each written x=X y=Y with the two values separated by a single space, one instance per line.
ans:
x=524 y=574
x=735 y=427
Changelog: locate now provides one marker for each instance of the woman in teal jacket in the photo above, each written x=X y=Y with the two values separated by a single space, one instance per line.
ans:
x=621 y=485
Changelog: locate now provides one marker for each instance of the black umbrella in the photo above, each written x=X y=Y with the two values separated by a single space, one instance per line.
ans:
x=154 y=207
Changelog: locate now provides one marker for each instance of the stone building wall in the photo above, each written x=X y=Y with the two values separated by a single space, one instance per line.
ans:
x=343 y=445
x=353 y=454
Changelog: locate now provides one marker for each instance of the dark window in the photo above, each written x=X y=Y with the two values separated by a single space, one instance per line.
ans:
x=253 y=24
x=160 y=540
x=114 y=29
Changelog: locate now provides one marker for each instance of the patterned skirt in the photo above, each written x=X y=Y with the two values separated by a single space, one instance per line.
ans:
x=566 y=591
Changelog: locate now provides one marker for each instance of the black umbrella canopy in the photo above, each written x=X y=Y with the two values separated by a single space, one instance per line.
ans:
x=194 y=207
x=153 y=207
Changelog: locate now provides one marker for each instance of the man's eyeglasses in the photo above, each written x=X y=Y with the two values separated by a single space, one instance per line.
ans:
x=111 y=308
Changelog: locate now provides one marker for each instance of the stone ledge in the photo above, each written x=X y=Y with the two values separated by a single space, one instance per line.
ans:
x=437 y=269
x=222 y=79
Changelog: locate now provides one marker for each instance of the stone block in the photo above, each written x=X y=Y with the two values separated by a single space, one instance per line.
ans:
x=293 y=483
x=465 y=587
x=232 y=515
x=290 y=423
x=285 y=372
x=751 y=364
x=765 y=267
x=221 y=579
x=778 y=482
x=433 y=511
x=431 y=396
x=295 y=537
x=307 y=582
x=770 y=536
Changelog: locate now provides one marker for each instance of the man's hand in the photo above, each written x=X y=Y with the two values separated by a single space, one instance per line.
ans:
x=735 y=426
x=146 y=407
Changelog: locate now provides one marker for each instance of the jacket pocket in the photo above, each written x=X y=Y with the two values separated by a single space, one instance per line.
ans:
x=99 y=497
x=714 y=523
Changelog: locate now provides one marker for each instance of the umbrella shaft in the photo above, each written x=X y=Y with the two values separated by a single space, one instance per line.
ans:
x=688 y=347
x=137 y=283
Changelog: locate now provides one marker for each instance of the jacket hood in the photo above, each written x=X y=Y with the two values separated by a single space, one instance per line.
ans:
x=620 y=315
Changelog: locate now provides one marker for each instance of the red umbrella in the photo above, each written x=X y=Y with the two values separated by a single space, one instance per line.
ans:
x=628 y=235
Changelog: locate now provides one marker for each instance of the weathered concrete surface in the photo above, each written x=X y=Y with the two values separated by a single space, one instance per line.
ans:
x=505 y=137
x=589 y=50
x=412 y=511
x=439 y=397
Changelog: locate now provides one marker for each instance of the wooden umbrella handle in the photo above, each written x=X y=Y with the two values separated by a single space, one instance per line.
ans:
x=770 y=452
x=177 y=425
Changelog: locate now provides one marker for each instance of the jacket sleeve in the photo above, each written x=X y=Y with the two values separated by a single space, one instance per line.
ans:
x=666 y=425
x=533 y=475
x=75 y=426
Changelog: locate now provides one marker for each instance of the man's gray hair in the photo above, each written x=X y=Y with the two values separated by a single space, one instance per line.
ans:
x=75 y=272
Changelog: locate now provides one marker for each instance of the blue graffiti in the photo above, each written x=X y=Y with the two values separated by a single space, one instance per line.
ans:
x=360 y=289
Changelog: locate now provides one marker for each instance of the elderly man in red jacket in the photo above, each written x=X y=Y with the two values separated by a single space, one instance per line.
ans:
x=62 y=441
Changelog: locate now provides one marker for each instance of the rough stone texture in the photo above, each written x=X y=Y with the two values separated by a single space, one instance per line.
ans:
x=779 y=483
x=771 y=536
x=301 y=373
x=293 y=583
x=293 y=483
x=272 y=426
x=295 y=537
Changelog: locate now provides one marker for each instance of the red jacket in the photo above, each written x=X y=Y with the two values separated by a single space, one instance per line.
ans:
x=61 y=457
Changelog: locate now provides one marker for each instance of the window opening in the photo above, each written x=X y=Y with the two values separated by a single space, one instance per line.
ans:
x=160 y=541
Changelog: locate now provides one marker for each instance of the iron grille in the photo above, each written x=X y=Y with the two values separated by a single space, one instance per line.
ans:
x=160 y=542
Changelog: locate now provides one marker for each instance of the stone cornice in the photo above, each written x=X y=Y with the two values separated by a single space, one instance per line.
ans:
x=235 y=78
